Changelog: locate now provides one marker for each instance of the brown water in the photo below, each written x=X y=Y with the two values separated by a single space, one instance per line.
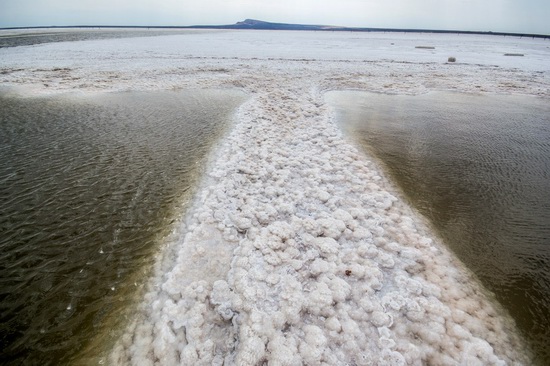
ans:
x=89 y=186
x=478 y=167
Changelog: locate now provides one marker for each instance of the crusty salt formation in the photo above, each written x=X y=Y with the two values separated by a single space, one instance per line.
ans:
x=297 y=253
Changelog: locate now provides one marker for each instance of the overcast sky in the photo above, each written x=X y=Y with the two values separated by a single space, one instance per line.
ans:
x=524 y=16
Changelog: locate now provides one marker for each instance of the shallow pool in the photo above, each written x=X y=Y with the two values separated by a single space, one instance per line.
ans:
x=89 y=187
x=478 y=166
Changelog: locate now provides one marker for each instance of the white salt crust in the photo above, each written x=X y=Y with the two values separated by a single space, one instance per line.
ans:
x=297 y=253
x=297 y=249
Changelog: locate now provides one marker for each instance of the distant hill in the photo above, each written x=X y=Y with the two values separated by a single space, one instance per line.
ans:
x=262 y=25
x=259 y=24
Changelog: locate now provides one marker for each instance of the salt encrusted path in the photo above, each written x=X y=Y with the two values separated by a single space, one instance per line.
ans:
x=298 y=254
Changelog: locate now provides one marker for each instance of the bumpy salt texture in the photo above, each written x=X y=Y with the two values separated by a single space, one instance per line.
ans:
x=297 y=253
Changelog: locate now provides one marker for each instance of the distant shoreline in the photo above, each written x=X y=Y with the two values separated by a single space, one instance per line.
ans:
x=251 y=24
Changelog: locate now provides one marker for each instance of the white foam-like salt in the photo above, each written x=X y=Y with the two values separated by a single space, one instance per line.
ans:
x=315 y=263
x=297 y=249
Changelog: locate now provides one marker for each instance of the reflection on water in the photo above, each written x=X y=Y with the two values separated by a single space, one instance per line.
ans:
x=88 y=186
x=479 y=168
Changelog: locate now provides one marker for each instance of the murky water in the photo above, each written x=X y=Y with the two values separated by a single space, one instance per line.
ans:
x=479 y=168
x=38 y=36
x=88 y=188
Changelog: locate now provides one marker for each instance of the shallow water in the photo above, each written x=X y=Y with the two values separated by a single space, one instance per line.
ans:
x=88 y=188
x=30 y=37
x=479 y=168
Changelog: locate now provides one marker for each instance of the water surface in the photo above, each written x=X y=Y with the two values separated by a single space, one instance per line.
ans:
x=478 y=167
x=15 y=38
x=89 y=186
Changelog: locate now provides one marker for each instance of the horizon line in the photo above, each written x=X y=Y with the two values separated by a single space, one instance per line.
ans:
x=288 y=26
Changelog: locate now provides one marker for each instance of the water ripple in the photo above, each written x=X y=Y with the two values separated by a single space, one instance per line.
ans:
x=88 y=186
x=478 y=167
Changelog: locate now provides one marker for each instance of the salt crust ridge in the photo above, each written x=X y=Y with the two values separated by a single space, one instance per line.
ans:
x=299 y=254
x=297 y=249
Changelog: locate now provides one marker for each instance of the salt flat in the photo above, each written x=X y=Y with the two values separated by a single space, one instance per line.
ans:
x=298 y=249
